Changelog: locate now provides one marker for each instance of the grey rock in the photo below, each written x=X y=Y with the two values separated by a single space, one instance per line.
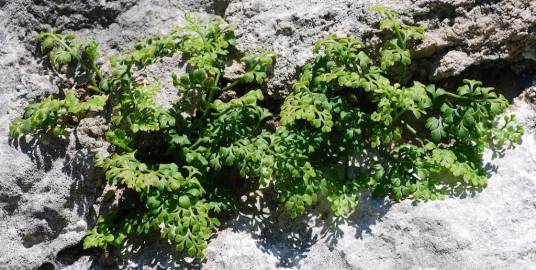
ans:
x=451 y=64
x=234 y=70
x=480 y=31
x=48 y=188
x=291 y=28
x=160 y=73
x=42 y=199
x=530 y=95
x=90 y=133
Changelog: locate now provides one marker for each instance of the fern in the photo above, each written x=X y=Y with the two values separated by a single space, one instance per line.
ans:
x=206 y=132
x=354 y=122
x=64 y=50
x=356 y=100
x=53 y=115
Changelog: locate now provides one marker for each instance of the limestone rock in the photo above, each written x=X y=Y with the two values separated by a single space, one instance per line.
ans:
x=480 y=32
x=451 y=64
x=48 y=188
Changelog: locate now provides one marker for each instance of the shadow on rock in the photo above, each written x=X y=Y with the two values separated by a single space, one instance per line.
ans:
x=41 y=150
x=286 y=239
x=78 y=164
x=290 y=240
x=64 y=184
x=369 y=212
x=150 y=252
x=80 y=167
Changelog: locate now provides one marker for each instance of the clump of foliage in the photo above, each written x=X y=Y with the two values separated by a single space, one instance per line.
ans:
x=196 y=130
x=353 y=123
x=54 y=115
x=354 y=101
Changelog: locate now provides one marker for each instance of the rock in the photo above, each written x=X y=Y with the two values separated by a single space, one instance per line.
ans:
x=452 y=64
x=90 y=133
x=40 y=195
x=285 y=28
x=48 y=188
x=479 y=32
x=234 y=70
x=160 y=73
x=530 y=95
x=485 y=32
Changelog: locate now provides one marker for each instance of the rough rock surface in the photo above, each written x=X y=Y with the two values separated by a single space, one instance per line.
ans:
x=480 y=31
x=491 y=229
x=47 y=188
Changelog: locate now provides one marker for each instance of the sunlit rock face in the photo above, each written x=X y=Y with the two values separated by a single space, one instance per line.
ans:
x=48 y=189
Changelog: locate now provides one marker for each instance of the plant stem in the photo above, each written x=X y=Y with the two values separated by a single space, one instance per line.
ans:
x=86 y=68
x=97 y=71
x=410 y=128
x=233 y=84
x=213 y=89
x=398 y=34
x=346 y=168
x=452 y=95
x=96 y=89
x=197 y=143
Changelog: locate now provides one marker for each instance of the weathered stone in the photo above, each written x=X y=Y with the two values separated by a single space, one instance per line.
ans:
x=479 y=31
x=48 y=188
x=452 y=64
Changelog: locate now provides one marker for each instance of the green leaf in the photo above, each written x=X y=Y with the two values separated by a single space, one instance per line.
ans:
x=191 y=251
x=435 y=92
x=248 y=77
x=468 y=118
x=181 y=140
x=437 y=128
x=60 y=57
x=184 y=201
x=464 y=90
x=463 y=132
x=153 y=202
x=199 y=75
x=119 y=138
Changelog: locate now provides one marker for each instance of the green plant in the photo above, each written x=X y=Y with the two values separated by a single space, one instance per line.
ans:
x=63 y=50
x=353 y=101
x=197 y=131
x=53 y=115
x=353 y=123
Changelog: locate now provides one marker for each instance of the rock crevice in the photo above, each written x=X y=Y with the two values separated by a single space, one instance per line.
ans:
x=47 y=189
